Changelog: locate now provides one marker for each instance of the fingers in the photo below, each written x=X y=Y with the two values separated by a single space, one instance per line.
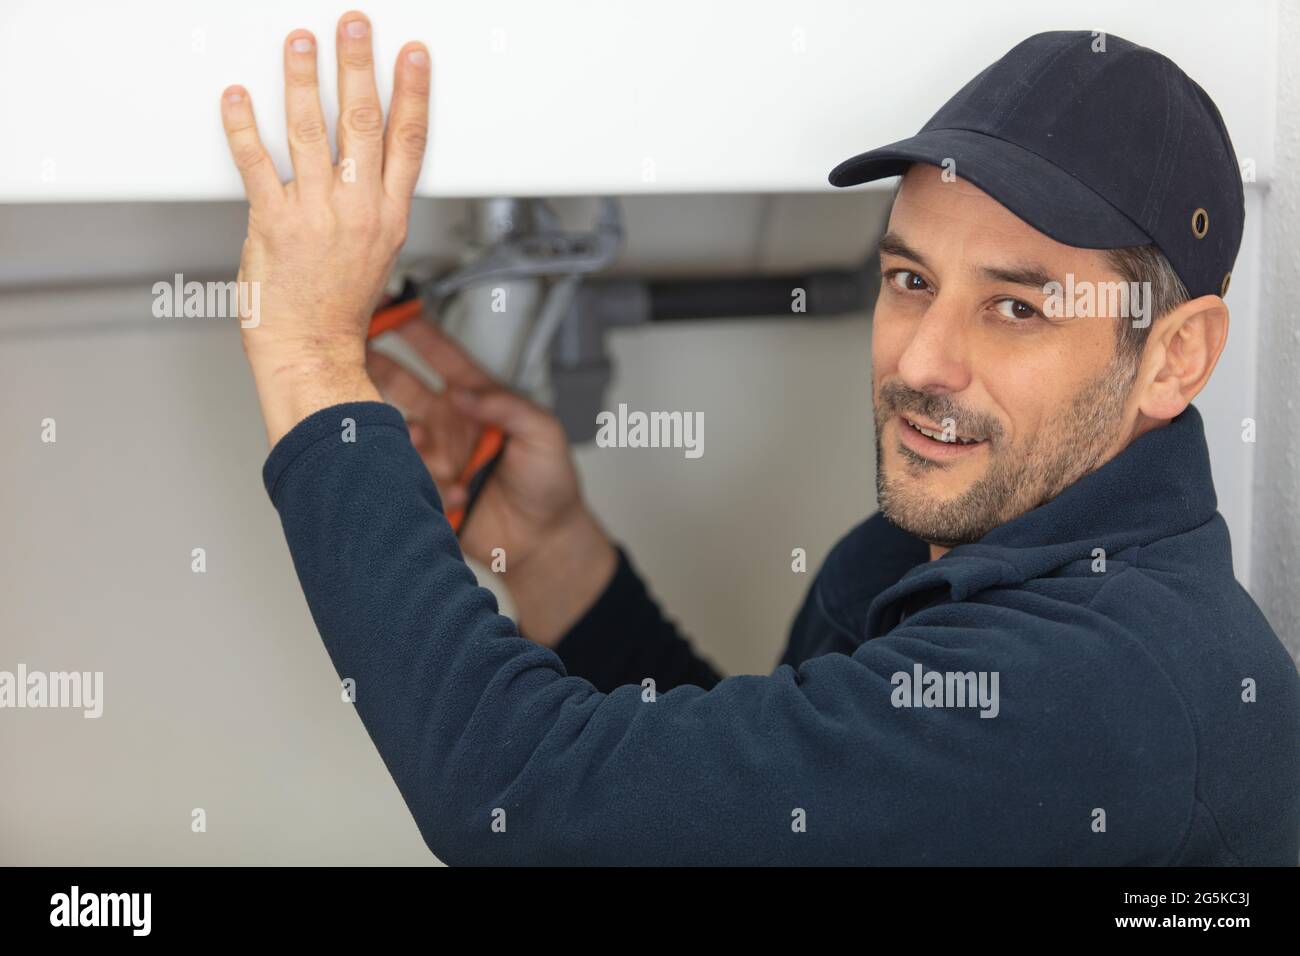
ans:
x=453 y=495
x=442 y=468
x=309 y=144
x=408 y=122
x=389 y=158
x=398 y=385
x=443 y=436
x=516 y=415
x=361 y=118
x=445 y=357
x=261 y=182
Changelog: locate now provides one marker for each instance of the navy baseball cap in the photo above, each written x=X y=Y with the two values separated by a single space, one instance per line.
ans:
x=1094 y=141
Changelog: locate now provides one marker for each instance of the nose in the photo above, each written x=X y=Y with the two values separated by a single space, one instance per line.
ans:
x=936 y=360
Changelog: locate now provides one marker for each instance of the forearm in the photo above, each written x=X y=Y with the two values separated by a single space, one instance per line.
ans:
x=578 y=594
x=556 y=584
x=648 y=644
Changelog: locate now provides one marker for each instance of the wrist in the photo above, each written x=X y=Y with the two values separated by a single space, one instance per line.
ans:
x=271 y=354
x=559 y=582
x=293 y=384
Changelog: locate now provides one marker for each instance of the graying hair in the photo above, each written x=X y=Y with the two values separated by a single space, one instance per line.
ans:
x=1146 y=264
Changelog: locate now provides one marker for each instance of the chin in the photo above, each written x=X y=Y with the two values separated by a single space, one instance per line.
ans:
x=930 y=530
x=945 y=520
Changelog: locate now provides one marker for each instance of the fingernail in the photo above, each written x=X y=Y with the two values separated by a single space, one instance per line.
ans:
x=357 y=29
x=301 y=45
x=234 y=96
x=418 y=57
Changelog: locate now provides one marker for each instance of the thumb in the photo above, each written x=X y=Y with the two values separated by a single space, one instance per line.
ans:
x=515 y=415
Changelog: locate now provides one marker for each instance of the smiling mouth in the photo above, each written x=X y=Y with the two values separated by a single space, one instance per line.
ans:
x=938 y=435
x=927 y=440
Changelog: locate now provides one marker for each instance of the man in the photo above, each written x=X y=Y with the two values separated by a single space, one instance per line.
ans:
x=1036 y=653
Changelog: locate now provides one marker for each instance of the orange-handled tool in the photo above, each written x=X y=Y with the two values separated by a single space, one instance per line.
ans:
x=491 y=440
x=391 y=316
x=487 y=452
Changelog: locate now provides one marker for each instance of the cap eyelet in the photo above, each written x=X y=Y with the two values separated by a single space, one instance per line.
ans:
x=1223 y=289
x=1200 y=223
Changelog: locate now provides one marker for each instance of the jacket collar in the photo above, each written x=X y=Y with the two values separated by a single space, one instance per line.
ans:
x=1159 y=486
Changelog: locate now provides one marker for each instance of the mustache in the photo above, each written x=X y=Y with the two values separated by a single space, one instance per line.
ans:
x=895 y=398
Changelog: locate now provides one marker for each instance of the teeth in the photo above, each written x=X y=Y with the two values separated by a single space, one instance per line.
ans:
x=938 y=436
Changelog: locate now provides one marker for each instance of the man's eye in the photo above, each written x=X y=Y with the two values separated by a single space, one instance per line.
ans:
x=906 y=281
x=1015 y=309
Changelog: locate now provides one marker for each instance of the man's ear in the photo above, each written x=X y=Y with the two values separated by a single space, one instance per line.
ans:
x=1181 y=352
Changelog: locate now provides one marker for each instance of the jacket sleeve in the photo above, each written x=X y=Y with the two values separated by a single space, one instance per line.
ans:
x=624 y=638
x=504 y=757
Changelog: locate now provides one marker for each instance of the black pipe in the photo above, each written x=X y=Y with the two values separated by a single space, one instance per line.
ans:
x=824 y=293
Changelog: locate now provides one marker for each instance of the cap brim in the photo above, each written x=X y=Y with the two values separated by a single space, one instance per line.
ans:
x=1039 y=192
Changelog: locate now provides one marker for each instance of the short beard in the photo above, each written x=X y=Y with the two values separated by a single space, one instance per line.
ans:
x=1073 y=444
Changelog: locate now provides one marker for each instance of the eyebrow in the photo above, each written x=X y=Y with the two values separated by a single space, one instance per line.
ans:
x=1030 y=274
x=892 y=244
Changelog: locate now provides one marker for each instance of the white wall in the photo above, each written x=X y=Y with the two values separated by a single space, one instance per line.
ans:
x=1276 y=558
x=579 y=97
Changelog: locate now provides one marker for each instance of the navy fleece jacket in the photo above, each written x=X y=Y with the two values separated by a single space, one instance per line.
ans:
x=1145 y=713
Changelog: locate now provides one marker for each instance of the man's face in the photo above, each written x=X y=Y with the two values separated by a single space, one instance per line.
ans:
x=961 y=346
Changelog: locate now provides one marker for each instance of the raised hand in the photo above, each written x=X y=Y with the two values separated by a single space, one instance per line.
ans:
x=321 y=247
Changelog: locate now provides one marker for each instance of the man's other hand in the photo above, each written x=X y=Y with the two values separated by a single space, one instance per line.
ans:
x=557 y=559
